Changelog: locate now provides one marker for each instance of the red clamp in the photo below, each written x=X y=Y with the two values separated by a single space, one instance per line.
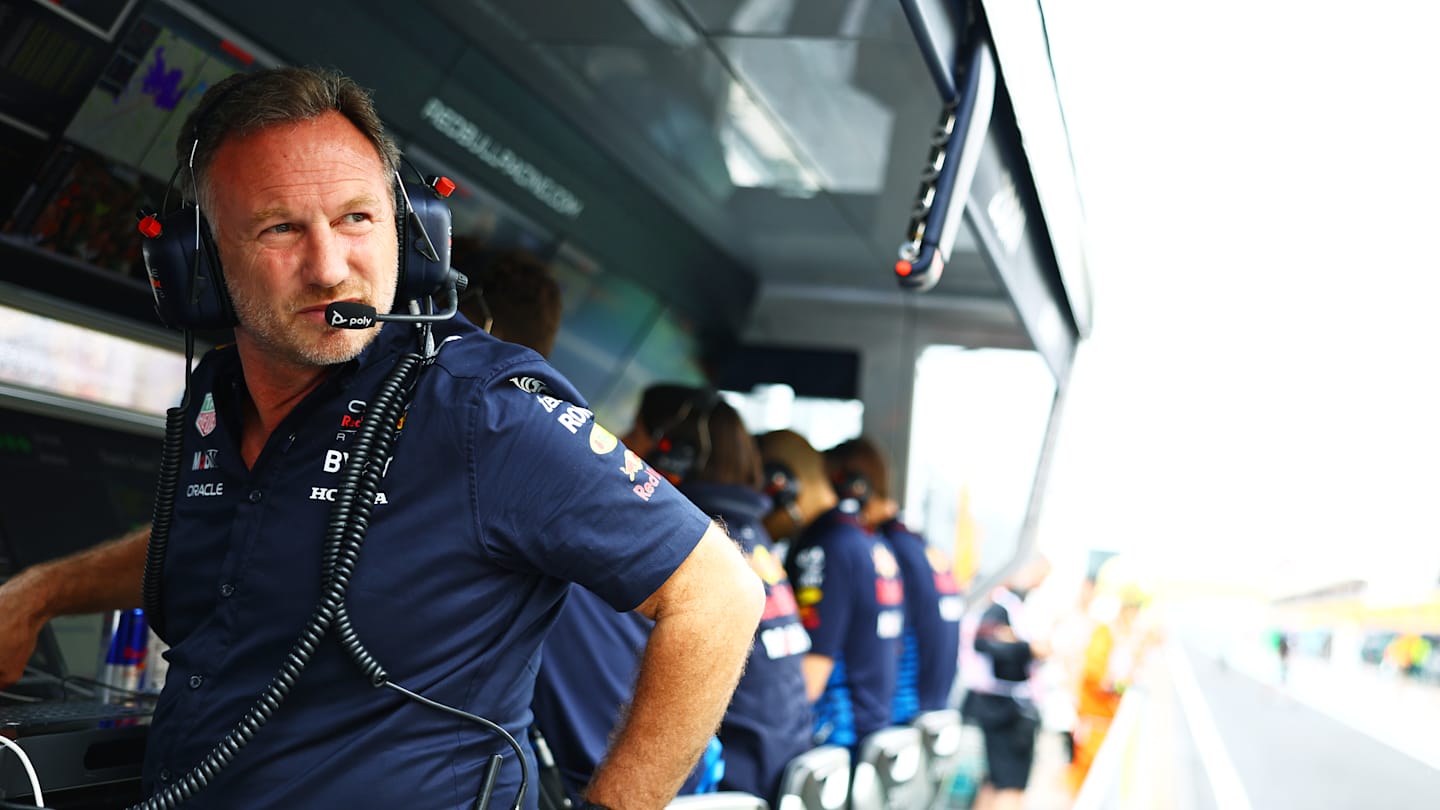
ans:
x=150 y=226
x=443 y=185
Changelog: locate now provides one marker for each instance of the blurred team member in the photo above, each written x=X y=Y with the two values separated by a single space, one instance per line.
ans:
x=851 y=601
x=796 y=483
x=931 y=639
x=933 y=605
x=694 y=438
x=998 y=651
x=512 y=295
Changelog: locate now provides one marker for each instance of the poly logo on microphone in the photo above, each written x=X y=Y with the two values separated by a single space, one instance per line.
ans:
x=353 y=316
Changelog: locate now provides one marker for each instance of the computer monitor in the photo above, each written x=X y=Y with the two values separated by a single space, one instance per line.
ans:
x=116 y=151
x=68 y=486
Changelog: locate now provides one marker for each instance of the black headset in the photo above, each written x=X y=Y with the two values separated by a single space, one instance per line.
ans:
x=853 y=489
x=189 y=284
x=781 y=485
x=679 y=457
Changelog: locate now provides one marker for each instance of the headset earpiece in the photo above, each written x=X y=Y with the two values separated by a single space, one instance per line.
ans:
x=423 y=223
x=184 y=271
x=677 y=458
x=189 y=285
x=781 y=485
x=853 y=489
x=673 y=459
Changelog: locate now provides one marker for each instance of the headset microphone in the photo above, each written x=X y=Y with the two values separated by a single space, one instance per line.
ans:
x=354 y=315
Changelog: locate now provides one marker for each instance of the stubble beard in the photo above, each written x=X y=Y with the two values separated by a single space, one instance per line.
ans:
x=277 y=330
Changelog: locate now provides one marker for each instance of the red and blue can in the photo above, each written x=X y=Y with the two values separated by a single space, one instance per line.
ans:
x=125 y=658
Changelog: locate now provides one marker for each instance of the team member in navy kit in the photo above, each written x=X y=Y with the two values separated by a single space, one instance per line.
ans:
x=933 y=609
x=499 y=491
x=697 y=440
x=931 y=641
x=852 y=603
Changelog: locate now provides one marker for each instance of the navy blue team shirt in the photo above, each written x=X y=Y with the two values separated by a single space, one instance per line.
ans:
x=768 y=722
x=933 y=609
x=852 y=602
x=501 y=488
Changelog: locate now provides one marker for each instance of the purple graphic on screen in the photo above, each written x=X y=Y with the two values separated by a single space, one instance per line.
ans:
x=163 y=84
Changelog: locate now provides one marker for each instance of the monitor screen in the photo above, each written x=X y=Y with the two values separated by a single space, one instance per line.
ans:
x=48 y=63
x=70 y=485
x=117 y=152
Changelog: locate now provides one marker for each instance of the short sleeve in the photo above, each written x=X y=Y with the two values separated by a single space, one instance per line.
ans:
x=557 y=493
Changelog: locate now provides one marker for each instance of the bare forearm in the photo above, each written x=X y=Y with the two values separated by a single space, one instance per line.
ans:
x=684 y=685
x=692 y=662
x=105 y=577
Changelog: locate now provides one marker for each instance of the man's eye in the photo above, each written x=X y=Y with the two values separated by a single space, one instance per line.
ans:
x=283 y=227
x=357 y=217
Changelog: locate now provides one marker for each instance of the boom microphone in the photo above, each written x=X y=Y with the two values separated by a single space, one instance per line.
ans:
x=353 y=315
x=350 y=315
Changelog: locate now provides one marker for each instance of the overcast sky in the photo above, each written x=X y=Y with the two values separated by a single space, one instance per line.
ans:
x=1260 y=181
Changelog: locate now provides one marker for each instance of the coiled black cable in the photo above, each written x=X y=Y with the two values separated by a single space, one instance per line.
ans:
x=167 y=485
x=340 y=565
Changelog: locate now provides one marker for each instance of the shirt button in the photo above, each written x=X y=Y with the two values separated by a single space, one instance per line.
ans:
x=196 y=681
x=256 y=495
x=227 y=590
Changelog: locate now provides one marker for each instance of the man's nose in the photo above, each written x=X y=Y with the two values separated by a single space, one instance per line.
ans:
x=325 y=258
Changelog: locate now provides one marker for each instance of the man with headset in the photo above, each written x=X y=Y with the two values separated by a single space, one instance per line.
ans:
x=850 y=596
x=498 y=490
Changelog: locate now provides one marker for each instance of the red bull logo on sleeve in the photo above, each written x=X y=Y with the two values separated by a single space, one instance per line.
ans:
x=889 y=590
x=646 y=489
x=632 y=465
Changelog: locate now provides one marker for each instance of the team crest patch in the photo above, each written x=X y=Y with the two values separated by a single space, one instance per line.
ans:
x=602 y=441
x=205 y=422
